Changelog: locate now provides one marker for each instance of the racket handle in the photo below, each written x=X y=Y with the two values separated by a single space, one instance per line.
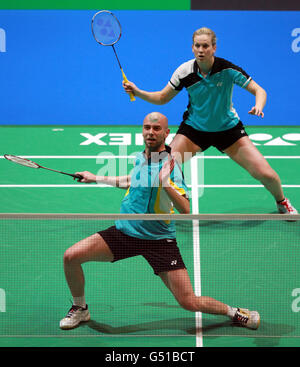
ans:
x=131 y=95
x=77 y=176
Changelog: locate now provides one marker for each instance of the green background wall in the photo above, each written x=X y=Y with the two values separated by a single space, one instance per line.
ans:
x=96 y=4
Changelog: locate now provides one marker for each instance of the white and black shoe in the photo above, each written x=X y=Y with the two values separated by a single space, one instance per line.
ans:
x=74 y=317
x=244 y=317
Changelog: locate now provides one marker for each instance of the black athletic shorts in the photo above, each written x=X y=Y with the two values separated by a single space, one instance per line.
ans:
x=163 y=255
x=219 y=139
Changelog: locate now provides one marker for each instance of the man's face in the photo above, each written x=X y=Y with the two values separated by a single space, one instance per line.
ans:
x=154 y=134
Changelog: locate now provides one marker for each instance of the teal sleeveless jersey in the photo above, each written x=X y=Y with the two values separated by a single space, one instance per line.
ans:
x=146 y=195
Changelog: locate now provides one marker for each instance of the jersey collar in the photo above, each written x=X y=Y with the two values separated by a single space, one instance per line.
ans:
x=160 y=156
x=213 y=70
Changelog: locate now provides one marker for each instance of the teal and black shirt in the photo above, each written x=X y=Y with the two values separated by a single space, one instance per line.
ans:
x=210 y=105
x=146 y=195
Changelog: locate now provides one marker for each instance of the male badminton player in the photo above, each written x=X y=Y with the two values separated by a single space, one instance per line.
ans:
x=155 y=185
x=210 y=119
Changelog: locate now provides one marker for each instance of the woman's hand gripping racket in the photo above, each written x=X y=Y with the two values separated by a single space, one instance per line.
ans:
x=31 y=164
x=107 y=31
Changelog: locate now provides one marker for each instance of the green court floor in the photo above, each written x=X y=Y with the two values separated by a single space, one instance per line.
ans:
x=252 y=264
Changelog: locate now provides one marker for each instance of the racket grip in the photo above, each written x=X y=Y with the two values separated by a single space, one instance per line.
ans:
x=131 y=95
x=77 y=176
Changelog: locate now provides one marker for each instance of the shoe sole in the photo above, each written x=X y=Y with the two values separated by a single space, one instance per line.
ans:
x=258 y=323
x=287 y=213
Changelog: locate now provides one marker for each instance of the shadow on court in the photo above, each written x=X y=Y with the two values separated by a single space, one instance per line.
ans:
x=182 y=326
x=216 y=326
x=215 y=224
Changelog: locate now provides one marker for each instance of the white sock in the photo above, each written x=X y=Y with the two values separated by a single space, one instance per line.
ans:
x=79 y=301
x=231 y=311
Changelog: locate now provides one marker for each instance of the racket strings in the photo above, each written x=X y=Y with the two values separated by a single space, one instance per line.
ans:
x=21 y=161
x=106 y=28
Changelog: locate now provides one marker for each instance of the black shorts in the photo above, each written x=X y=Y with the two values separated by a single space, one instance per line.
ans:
x=162 y=255
x=219 y=139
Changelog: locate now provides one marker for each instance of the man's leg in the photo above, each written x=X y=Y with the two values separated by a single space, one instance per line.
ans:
x=178 y=281
x=93 y=248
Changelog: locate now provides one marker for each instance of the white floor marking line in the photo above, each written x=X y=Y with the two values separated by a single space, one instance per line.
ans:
x=76 y=186
x=196 y=249
x=202 y=156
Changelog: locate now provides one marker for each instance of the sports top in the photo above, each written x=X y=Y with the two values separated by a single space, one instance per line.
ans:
x=210 y=105
x=146 y=195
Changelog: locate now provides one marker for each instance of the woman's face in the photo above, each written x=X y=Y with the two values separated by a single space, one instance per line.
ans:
x=203 y=48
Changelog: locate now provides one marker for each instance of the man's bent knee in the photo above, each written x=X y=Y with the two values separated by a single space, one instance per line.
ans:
x=189 y=303
x=70 y=256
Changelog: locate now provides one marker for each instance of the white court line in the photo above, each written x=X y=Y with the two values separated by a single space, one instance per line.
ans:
x=266 y=156
x=202 y=156
x=74 y=156
x=92 y=186
x=196 y=249
x=243 y=186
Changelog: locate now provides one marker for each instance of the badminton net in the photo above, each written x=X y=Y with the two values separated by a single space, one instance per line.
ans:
x=250 y=261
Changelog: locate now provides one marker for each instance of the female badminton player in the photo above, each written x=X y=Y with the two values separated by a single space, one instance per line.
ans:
x=210 y=119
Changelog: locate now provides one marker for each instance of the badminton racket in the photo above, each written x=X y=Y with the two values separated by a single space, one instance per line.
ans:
x=31 y=164
x=107 y=31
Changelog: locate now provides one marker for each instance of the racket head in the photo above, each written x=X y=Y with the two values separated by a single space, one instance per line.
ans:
x=106 y=28
x=21 y=161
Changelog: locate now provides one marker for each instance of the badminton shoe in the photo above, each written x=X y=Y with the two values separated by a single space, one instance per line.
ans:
x=74 y=317
x=246 y=318
x=285 y=207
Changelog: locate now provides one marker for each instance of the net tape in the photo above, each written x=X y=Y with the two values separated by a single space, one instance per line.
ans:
x=183 y=217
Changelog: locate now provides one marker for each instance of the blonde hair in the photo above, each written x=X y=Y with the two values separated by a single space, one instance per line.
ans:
x=206 y=31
